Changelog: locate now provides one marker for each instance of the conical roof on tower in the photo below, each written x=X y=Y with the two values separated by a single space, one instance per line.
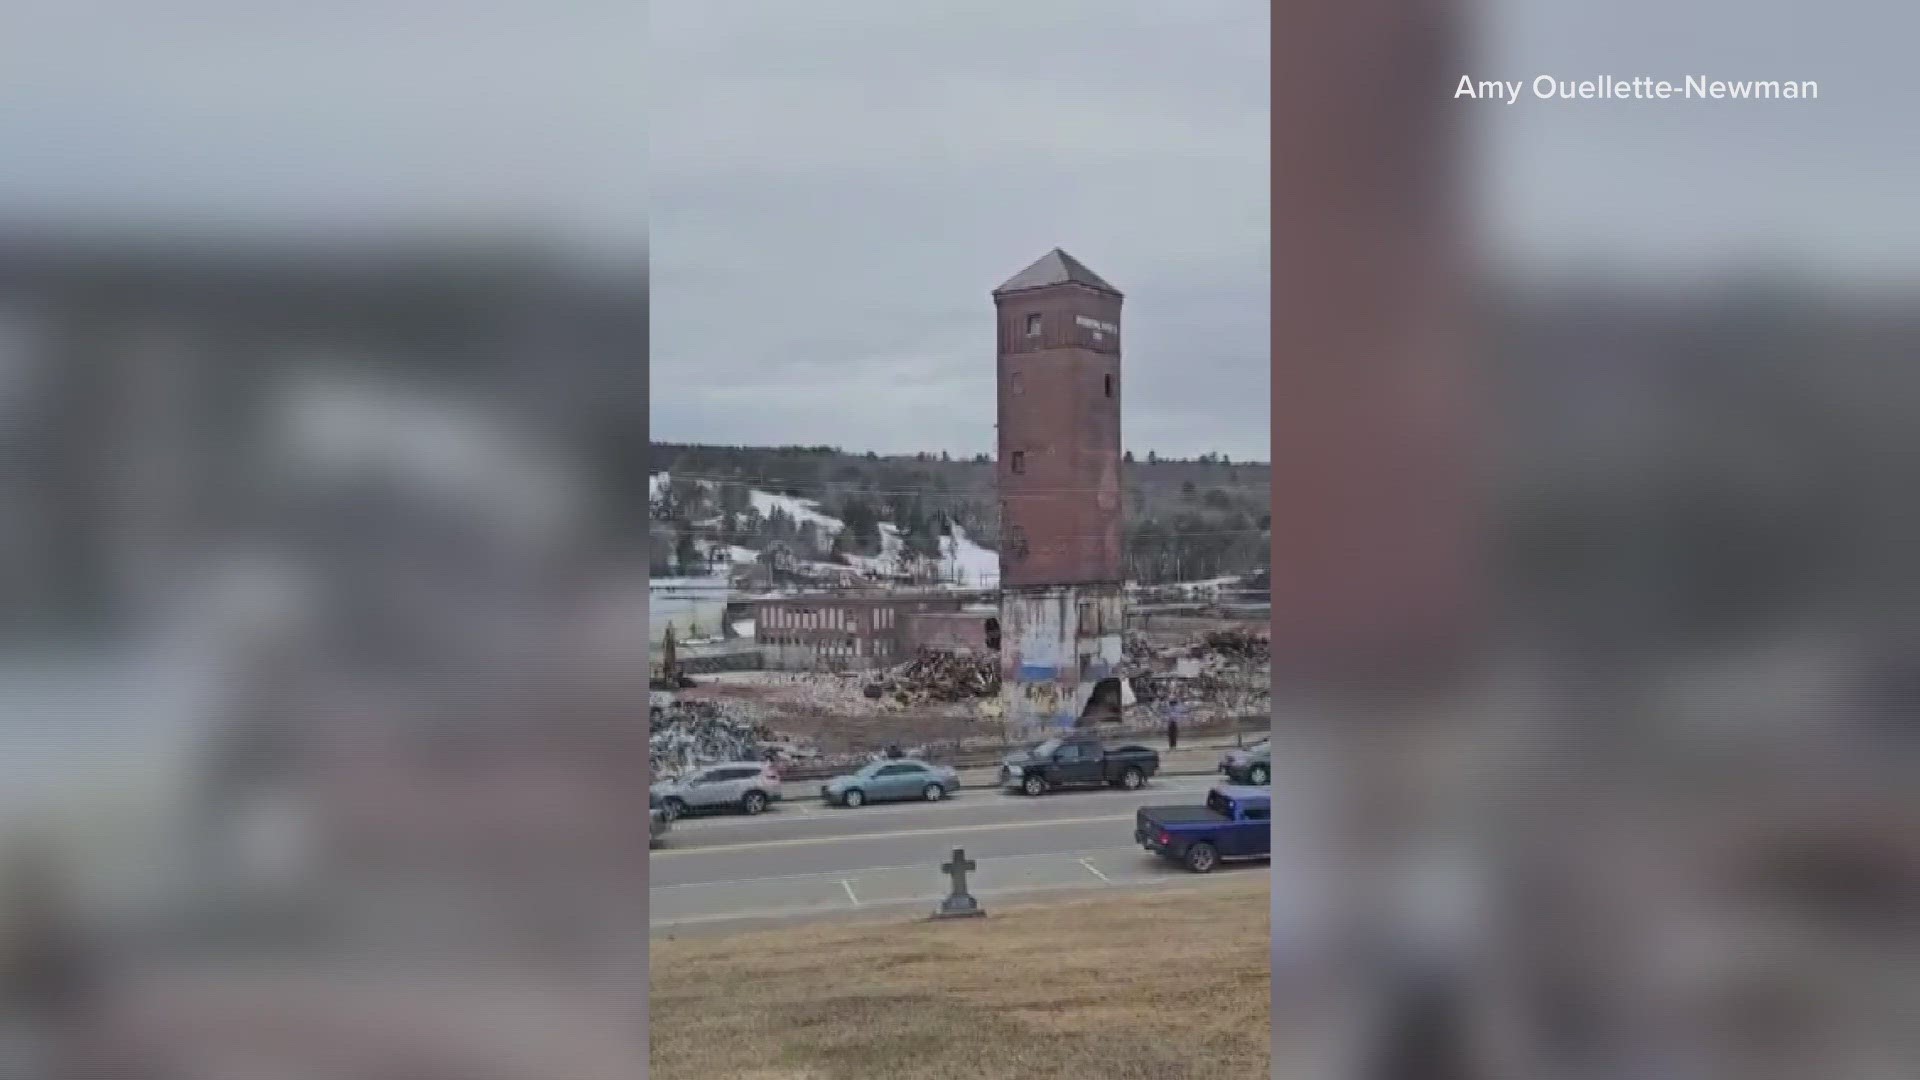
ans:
x=1056 y=267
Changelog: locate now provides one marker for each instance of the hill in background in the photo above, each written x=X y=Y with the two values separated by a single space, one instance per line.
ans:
x=1186 y=519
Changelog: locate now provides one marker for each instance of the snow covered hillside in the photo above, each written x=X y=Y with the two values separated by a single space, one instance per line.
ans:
x=962 y=562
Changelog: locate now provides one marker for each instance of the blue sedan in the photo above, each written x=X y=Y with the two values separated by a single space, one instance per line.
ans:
x=891 y=780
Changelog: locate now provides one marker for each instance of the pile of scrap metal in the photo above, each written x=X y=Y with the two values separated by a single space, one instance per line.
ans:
x=685 y=734
x=940 y=676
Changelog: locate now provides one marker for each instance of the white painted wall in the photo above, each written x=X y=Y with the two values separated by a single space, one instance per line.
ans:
x=1050 y=661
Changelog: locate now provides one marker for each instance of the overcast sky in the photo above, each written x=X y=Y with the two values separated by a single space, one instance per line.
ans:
x=837 y=188
x=1823 y=187
x=216 y=113
x=833 y=187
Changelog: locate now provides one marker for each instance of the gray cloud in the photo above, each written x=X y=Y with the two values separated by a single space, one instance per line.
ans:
x=838 y=187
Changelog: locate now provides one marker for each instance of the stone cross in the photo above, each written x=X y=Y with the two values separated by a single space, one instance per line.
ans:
x=960 y=904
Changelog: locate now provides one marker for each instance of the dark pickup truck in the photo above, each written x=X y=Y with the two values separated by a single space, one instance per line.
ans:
x=1233 y=825
x=1077 y=761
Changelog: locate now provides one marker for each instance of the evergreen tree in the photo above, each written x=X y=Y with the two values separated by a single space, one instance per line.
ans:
x=685 y=552
x=862 y=525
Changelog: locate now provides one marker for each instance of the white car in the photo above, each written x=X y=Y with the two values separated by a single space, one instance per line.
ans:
x=748 y=786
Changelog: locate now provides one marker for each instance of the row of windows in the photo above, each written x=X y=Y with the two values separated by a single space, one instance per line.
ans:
x=850 y=647
x=808 y=618
x=825 y=619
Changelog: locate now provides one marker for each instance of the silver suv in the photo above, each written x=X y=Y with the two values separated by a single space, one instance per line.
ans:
x=750 y=786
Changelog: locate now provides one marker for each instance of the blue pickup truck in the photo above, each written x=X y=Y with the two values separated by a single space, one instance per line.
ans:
x=1234 y=824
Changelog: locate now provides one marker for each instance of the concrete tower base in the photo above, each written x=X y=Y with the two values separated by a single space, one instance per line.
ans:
x=1059 y=643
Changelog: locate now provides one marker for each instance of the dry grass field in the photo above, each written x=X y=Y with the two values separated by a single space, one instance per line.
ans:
x=1153 y=986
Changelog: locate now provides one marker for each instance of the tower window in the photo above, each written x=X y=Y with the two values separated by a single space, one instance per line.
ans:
x=1014 y=383
x=1108 y=381
x=1033 y=325
x=1019 y=461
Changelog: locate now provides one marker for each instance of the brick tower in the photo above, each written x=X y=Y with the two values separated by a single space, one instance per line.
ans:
x=1061 y=567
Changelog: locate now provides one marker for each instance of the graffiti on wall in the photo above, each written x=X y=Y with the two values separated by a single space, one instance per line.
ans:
x=1058 y=644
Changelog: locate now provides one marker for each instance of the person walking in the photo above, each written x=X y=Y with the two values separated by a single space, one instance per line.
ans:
x=1173 y=733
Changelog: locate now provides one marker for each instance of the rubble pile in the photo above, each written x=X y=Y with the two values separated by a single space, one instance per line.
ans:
x=1242 y=645
x=688 y=734
x=684 y=734
x=1146 y=689
x=1139 y=653
x=1227 y=672
x=938 y=676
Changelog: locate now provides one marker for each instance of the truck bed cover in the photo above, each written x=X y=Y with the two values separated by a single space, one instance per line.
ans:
x=1181 y=815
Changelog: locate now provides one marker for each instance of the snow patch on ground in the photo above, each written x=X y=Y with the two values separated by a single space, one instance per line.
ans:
x=963 y=561
x=801 y=510
x=972 y=565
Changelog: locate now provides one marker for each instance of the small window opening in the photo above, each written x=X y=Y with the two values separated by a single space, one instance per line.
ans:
x=1108 y=380
x=1033 y=325
x=1019 y=462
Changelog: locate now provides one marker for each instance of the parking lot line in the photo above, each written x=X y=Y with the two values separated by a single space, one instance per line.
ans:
x=848 y=885
x=799 y=911
x=836 y=874
x=1095 y=871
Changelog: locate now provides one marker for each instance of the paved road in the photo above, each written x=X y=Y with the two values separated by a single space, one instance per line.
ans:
x=810 y=860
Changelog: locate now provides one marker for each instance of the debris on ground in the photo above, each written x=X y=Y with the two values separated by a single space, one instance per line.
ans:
x=1228 y=672
x=685 y=734
x=1243 y=645
x=946 y=698
x=936 y=675
x=1139 y=651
